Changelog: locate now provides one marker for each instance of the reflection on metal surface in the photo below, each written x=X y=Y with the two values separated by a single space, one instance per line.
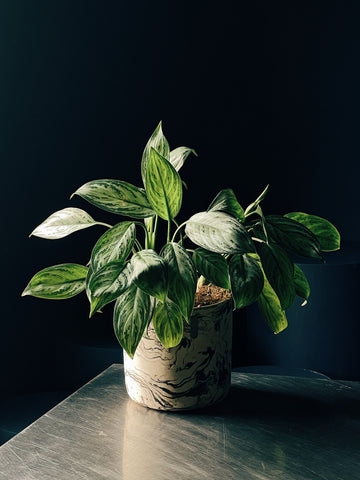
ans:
x=269 y=427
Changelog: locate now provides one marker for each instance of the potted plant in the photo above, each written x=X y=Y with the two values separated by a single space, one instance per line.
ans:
x=177 y=355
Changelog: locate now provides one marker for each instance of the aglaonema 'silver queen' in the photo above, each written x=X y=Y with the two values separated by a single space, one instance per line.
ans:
x=243 y=251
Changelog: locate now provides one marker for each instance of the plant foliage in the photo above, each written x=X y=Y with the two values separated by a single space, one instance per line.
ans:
x=238 y=249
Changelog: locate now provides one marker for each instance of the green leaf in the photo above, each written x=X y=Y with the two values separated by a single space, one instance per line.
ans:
x=159 y=143
x=163 y=186
x=181 y=276
x=213 y=267
x=115 y=244
x=111 y=280
x=253 y=206
x=219 y=232
x=226 y=201
x=246 y=278
x=116 y=196
x=108 y=283
x=168 y=323
x=279 y=271
x=57 y=282
x=302 y=287
x=179 y=155
x=62 y=223
x=271 y=309
x=292 y=236
x=149 y=272
x=132 y=314
x=96 y=303
x=326 y=233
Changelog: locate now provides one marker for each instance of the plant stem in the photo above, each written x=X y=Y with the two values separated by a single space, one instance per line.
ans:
x=146 y=233
x=168 y=231
x=176 y=231
x=153 y=234
x=138 y=244
x=104 y=224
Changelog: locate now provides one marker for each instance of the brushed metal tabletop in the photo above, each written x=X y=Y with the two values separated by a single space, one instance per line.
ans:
x=269 y=427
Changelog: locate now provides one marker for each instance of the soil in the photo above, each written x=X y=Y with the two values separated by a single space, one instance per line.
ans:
x=209 y=294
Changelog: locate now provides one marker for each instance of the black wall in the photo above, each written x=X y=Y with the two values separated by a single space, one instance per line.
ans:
x=266 y=92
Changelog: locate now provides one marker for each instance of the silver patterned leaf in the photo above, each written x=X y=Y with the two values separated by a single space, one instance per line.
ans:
x=226 y=201
x=115 y=244
x=57 y=282
x=158 y=142
x=271 y=308
x=279 y=270
x=213 y=267
x=149 y=272
x=247 y=280
x=179 y=155
x=111 y=279
x=219 y=232
x=326 y=233
x=163 y=186
x=168 y=323
x=182 y=277
x=116 y=196
x=63 y=223
x=132 y=314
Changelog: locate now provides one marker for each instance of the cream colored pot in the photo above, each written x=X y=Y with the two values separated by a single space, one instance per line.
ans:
x=194 y=374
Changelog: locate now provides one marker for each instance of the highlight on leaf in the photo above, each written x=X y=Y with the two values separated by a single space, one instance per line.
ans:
x=63 y=223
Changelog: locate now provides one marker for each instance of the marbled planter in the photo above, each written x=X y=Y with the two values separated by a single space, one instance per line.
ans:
x=194 y=374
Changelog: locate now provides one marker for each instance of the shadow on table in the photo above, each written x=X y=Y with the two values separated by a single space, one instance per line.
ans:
x=304 y=400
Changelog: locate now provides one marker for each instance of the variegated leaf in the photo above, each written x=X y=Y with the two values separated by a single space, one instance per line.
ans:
x=57 y=282
x=213 y=267
x=179 y=155
x=149 y=272
x=253 y=206
x=159 y=143
x=326 y=233
x=292 y=236
x=115 y=244
x=181 y=276
x=163 y=186
x=112 y=279
x=246 y=278
x=279 y=271
x=271 y=309
x=302 y=287
x=63 y=222
x=168 y=323
x=132 y=314
x=96 y=303
x=226 y=201
x=118 y=197
x=219 y=232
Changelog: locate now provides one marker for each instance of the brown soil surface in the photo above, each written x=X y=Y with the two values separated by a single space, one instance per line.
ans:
x=209 y=294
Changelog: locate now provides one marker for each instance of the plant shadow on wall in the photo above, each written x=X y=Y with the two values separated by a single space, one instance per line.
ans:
x=244 y=252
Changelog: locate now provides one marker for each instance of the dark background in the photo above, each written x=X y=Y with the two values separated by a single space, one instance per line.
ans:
x=266 y=92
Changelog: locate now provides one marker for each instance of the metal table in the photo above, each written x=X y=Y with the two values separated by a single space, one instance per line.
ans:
x=269 y=427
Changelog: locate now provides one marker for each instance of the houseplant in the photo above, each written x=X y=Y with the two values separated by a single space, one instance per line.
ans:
x=240 y=251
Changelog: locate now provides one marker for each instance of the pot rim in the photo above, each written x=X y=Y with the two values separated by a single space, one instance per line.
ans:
x=203 y=307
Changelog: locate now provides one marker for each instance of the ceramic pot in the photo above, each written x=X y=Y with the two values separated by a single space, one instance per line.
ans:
x=194 y=374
